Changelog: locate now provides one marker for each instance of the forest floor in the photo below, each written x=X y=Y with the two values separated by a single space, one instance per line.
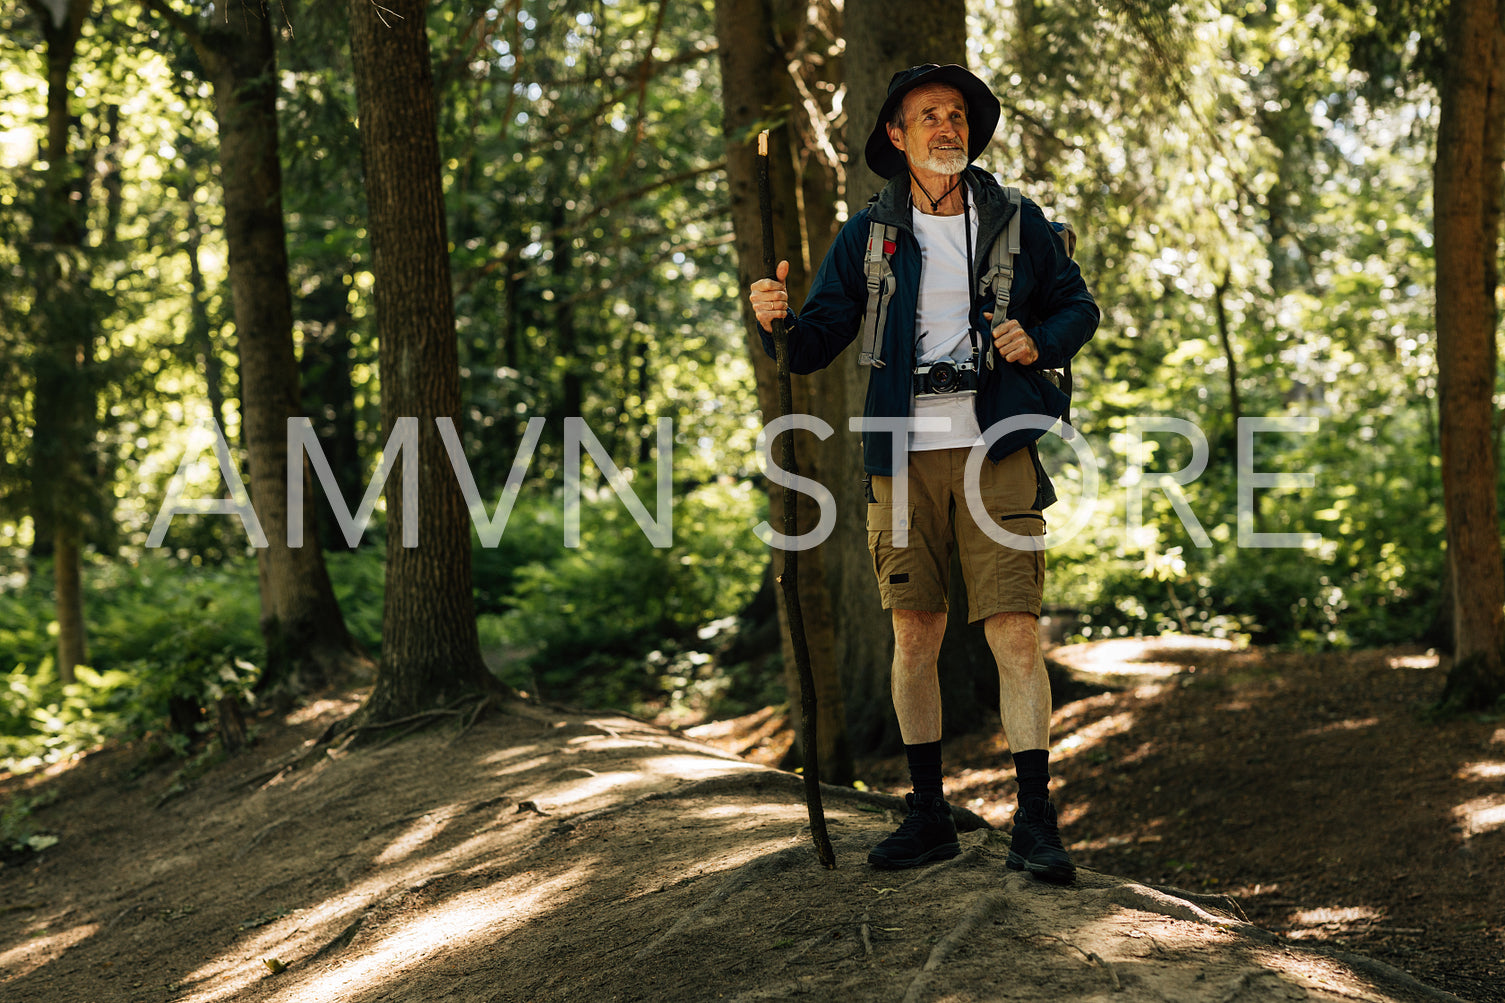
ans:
x=538 y=854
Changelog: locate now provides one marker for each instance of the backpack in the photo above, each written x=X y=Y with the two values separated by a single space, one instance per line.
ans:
x=997 y=279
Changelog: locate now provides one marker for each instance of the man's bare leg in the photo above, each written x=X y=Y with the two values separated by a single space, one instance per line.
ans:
x=1024 y=706
x=915 y=683
x=927 y=833
x=1023 y=685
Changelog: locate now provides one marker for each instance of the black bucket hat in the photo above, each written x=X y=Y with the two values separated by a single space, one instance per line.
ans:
x=982 y=113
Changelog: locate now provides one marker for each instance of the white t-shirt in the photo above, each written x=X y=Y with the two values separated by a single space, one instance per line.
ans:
x=943 y=318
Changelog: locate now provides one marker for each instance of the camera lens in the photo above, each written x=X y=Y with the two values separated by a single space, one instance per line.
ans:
x=942 y=377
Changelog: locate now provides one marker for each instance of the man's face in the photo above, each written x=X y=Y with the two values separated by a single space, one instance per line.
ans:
x=934 y=137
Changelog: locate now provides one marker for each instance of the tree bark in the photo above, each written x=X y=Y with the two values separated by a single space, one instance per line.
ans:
x=307 y=643
x=63 y=412
x=888 y=36
x=757 y=37
x=431 y=654
x=1468 y=187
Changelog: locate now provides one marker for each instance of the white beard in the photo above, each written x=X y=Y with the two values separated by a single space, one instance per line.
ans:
x=943 y=161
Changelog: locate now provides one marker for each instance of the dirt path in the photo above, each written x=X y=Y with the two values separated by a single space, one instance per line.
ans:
x=543 y=856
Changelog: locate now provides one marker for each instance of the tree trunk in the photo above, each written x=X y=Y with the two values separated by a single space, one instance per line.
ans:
x=1468 y=187
x=64 y=399
x=888 y=36
x=756 y=39
x=307 y=643
x=431 y=654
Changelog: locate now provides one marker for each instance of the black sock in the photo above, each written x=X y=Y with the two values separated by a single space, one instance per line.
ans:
x=925 y=767
x=1032 y=768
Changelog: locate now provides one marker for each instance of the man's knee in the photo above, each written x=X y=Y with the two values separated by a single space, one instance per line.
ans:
x=918 y=633
x=1015 y=640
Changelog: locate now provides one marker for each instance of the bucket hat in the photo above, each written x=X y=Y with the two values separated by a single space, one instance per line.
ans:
x=982 y=113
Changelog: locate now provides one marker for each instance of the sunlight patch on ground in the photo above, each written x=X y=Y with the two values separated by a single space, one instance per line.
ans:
x=1345 y=915
x=488 y=913
x=1498 y=738
x=506 y=755
x=1482 y=771
x=697 y=767
x=1086 y=738
x=420 y=832
x=1352 y=724
x=1132 y=656
x=1315 y=971
x=1481 y=815
x=302 y=933
x=1320 y=924
x=1427 y=661
x=763 y=813
x=323 y=708
x=23 y=959
x=588 y=787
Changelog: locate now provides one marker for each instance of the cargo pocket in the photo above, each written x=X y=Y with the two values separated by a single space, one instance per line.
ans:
x=880 y=538
x=880 y=520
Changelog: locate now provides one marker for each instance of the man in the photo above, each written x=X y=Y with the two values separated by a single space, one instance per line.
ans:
x=934 y=122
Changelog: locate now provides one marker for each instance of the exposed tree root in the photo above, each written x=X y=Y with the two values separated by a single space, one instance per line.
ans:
x=982 y=908
x=970 y=855
x=1178 y=905
x=1221 y=903
x=734 y=882
x=1091 y=959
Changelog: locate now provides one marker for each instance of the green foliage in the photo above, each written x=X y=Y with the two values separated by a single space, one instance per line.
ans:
x=160 y=632
x=19 y=835
x=620 y=622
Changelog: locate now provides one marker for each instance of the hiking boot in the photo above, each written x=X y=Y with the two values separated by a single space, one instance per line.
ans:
x=1036 y=845
x=927 y=834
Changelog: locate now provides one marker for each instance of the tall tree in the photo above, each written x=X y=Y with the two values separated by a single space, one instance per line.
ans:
x=430 y=649
x=889 y=36
x=307 y=643
x=759 y=41
x=64 y=403
x=1467 y=206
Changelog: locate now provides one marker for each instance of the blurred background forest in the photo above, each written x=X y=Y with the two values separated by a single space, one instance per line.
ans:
x=1251 y=180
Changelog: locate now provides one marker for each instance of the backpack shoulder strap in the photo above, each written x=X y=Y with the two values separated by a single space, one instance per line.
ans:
x=999 y=280
x=880 y=289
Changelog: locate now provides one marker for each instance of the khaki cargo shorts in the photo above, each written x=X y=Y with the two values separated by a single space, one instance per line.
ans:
x=999 y=578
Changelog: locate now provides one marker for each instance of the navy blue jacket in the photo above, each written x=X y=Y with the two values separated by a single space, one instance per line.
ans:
x=1048 y=298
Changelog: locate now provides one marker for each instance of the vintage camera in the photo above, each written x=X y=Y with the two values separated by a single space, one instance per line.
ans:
x=946 y=377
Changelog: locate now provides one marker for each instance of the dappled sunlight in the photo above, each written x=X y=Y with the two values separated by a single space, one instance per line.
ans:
x=1353 y=724
x=1085 y=738
x=1482 y=771
x=1315 y=971
x=419 y=833
x=590 y=786
x=1481 y=815
x=1146 y=658
x=1498 y=738
x=488 y=913
x=764 y=813
x=697 y=766
x=506 y=754
x=1427 y=661
x=25 y=958
x=1331 y=921
x=316 y=709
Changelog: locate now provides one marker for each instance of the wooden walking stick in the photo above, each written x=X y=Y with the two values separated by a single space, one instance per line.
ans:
x=789 y=580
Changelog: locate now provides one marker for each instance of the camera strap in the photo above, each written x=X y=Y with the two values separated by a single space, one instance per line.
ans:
x=972 y=297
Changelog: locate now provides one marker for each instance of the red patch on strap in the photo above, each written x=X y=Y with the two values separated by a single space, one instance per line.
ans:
x=889 y=247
